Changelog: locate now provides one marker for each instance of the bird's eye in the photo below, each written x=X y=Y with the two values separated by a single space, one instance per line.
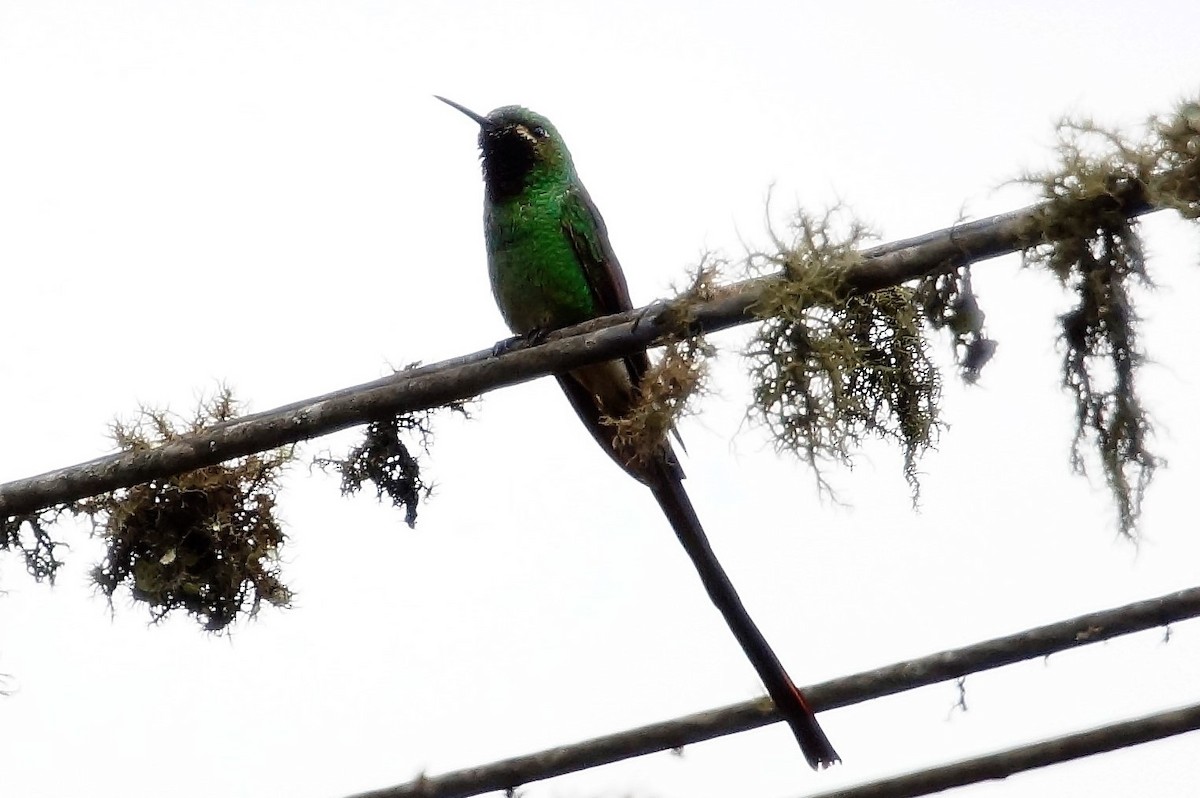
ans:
x=540 y=132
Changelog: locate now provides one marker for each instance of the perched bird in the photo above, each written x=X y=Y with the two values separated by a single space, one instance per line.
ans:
x=551 y=265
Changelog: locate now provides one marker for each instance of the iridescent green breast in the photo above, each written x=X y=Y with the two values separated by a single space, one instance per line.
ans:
x=536 y=276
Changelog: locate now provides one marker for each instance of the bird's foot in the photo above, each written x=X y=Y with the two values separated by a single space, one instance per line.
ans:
x=507 y=345
x=531 y=338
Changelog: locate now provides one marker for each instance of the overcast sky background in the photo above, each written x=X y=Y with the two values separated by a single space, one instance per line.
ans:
x=265 y=193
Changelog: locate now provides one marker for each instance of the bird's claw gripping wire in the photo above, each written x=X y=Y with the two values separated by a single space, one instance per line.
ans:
x=532 y=338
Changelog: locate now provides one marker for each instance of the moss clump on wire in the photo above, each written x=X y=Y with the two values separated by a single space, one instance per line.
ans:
x=30 y=535
x=1175 y=180
x=207 y=541
x=1087 y=241
x=830 y=370
x=383 y=459
x=679 y=375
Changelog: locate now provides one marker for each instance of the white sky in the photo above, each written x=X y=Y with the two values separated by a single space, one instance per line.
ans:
x=266 y=193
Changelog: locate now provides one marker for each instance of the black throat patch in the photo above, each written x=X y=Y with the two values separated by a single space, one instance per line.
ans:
x=508 y=158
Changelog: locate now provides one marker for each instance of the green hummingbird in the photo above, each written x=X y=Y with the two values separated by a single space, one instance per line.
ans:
x=551 y=265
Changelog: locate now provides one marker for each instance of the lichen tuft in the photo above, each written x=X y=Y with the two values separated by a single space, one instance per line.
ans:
x=830 y=369
x=207 y=541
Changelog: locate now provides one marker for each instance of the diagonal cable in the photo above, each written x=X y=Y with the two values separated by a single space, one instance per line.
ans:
x=1037 y=642
x=467 y=376
x=1003 y=764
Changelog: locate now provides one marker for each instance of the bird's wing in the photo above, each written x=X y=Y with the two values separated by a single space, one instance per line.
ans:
x=585 y=230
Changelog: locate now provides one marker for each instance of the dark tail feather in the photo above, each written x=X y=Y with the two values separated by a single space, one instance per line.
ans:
x=674 y=501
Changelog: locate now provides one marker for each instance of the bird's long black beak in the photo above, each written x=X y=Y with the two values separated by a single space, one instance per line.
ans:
x=482 y=121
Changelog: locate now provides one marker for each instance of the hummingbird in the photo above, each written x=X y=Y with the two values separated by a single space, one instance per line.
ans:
x=551 y=265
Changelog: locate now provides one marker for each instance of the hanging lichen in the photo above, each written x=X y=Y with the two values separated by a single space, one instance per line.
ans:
x=384 y=459
x=949 y=303
x=206 y=541
x=30 y=535
x=830 y=370
x=1087 y=240
x=675 y=379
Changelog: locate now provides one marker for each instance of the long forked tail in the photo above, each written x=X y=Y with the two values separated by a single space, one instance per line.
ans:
x=673 y=499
